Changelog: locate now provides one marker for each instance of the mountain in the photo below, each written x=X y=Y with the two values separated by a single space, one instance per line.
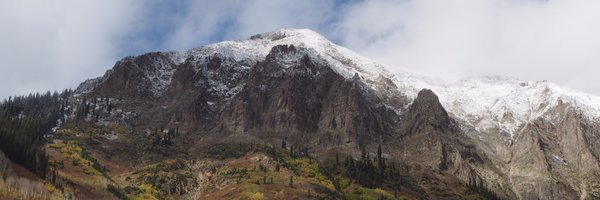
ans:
x=217 y=121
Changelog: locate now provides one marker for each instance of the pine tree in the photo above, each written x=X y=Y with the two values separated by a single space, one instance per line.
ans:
x=109 y=107
x=380 y=165
x=363 y=155
x=379 y=156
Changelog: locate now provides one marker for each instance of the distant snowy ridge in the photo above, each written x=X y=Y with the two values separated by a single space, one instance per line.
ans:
x=502 y=102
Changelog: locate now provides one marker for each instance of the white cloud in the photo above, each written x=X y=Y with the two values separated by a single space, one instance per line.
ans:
x=205 y=21
x=201 y=21
x=535 y=40
x=57 y=44
x=52 y=45
x=267 y=15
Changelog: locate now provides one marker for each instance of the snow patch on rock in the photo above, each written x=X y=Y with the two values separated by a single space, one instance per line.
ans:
x=160 y=79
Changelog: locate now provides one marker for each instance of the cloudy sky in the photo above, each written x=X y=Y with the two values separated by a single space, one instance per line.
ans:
x=51 y=45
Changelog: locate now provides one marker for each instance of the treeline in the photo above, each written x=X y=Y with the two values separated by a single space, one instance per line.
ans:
x=24 y=120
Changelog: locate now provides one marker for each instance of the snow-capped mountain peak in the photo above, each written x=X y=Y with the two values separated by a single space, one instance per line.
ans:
x=485 y=102
x=256 y=48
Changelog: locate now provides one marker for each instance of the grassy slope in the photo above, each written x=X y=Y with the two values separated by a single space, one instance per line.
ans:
x=247 y=172
x=229 y=170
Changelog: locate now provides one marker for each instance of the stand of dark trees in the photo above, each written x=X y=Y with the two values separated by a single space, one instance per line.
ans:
x=370 y=172
x=480 y=188
x=24 y=120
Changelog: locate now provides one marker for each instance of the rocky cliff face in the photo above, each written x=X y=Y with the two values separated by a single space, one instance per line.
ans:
x=554 y=157
x=294 y=85
x=294 y=95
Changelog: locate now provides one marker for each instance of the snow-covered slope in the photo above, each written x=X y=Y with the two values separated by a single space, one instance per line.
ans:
x=256 y=48
x=501 y=102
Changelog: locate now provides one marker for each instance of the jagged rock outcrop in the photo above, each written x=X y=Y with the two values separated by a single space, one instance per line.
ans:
x=430 y=137
x=143 y=76
x=427 y=112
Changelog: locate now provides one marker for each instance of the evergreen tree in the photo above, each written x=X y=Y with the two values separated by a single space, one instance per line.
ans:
x=379 y=156
x=380 y=165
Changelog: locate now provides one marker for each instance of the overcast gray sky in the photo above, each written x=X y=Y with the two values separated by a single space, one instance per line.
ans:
x=52 y=45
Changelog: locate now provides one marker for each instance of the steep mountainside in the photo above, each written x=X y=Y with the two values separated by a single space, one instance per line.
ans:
x=295 y=85
x=173 y=114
